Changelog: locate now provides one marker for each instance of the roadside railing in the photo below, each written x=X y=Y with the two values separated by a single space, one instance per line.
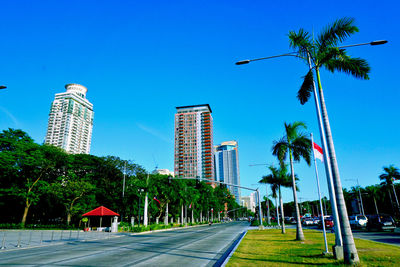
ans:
x=11 y=239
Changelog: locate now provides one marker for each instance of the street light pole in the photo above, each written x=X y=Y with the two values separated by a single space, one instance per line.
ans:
x=327 y=164
x=123 y=194
x=146 y=203
x=259 y=209
x=266 y=192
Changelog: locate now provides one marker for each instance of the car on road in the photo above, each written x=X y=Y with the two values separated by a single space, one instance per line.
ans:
x=328 y=222
x=358 y=221
x=308 y=221
x=381 y=222
x=316 y=220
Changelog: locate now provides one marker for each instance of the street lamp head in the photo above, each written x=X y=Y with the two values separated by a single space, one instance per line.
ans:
x=3 y=87
x=243 y=62
x=379 y=42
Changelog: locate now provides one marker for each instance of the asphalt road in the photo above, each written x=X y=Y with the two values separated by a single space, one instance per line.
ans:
x=197 y=246
x=383 y=237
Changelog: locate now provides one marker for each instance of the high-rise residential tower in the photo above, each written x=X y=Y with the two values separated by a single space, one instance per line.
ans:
x=227 y=166
x=71 y=120
x=194 y=142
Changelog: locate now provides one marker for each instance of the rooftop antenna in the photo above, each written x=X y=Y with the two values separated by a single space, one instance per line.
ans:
x=155 y=163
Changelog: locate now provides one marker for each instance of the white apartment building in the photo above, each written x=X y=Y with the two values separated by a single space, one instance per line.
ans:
x=71 y=120
x=249 y=201
x=226 y=165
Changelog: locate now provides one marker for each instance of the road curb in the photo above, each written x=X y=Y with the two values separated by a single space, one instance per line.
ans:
x=169 y=229
x=228 y=254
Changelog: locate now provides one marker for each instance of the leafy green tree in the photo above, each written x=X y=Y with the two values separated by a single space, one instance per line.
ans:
x=30 y=165
x=69 y=190
x=390 y=174
x=297 y=145
x=324 y=52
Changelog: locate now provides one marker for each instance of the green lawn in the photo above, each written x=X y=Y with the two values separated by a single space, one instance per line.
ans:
x=271 y=248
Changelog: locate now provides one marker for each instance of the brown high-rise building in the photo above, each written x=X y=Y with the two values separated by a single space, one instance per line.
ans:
x=194 y=142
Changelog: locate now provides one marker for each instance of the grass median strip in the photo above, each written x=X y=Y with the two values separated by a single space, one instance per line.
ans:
x=271 y=248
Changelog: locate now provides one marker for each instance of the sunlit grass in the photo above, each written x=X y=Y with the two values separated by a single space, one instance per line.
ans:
x=271 y=248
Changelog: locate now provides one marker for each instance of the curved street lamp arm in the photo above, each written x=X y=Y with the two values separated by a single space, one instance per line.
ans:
x=293 y=54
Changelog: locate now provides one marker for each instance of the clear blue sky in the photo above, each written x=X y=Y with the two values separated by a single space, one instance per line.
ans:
x=141 y=59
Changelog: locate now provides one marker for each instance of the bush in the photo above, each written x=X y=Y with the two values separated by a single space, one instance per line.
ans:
x=255 y=223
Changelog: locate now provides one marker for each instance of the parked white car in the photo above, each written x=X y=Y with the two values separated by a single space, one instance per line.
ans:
x=308 y=221
x=358 y=221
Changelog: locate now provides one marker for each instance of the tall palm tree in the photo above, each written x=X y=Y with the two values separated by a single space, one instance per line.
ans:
x=297 y=145
x=275 y=195
x=324 y=52
x=391 y=173
x=277 y=179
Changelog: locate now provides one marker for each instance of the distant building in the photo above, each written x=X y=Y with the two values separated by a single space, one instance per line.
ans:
x=163 y=172
x=245 y=201
x=249 y=202
x=227 y=166
x=193 y=142
x=71 y=120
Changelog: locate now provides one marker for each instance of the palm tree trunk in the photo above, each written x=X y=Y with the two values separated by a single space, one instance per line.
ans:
x=328 y=168
x=391 y=200
x=166 y=214
x=376 y=206
x=282 y=214
x=299 y=229
x=267 y=202
x=182 y=214
x=277 y=212
x=349 y=248
x=395 y=196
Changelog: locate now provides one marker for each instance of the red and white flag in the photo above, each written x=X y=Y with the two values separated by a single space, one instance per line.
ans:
x=157 y=200
x=318 y=152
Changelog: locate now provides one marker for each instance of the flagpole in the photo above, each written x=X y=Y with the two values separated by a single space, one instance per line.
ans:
x=319 y=196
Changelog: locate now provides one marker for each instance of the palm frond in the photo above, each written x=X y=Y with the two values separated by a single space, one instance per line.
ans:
x=279 y=149
x=329 y=53
x=301 y=148
x=337 y=32
x=274 y=189
x=356 y=67
x=293 y=129
x=300 y=41
x=306 y=88
x=391 y=172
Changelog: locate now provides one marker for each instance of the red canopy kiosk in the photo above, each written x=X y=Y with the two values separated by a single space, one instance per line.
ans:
x=100 y=212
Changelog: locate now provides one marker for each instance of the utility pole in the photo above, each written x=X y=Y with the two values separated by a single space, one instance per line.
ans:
x=146 y=203
x=123 y=194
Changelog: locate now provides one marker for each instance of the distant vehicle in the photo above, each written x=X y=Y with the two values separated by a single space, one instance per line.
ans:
x=381 y=223
x=358 y=221
x=328 y=223
x=308 y=221
x=288 y=219
x=316 y=220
